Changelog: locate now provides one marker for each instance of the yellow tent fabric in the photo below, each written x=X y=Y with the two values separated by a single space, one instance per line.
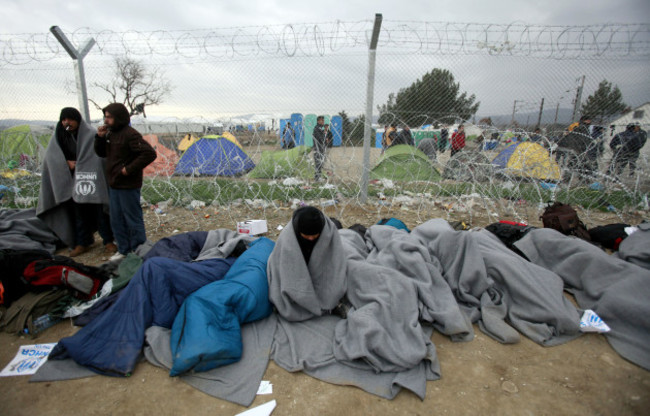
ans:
x=14 y=173
x=232 y=138
x=531 y=160
x=187 y=141
x=573 y=126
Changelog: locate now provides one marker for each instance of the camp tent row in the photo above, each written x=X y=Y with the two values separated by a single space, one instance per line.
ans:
x=223 y=155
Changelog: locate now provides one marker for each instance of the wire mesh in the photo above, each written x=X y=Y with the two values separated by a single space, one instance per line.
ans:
x=501 y=82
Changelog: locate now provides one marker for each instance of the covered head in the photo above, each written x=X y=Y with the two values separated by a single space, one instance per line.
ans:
x=70 y=113
x=308 y=221
x=120 y=114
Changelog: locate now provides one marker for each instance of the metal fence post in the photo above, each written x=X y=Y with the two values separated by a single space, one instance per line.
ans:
x=370 y=91
x=80 y=76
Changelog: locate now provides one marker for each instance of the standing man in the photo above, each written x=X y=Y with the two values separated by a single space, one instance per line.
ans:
x=574 y=145
x=404 y=136
x=319 y=146
x=626 y=146
x=127 y=154
x=73 y=198
x=288 y=140
x=458 y=140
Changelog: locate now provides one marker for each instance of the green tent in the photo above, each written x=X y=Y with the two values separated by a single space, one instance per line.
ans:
x=284 y=164
x=23 y=140
x=404 y=163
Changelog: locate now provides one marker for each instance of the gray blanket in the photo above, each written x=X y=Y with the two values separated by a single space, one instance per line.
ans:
x=636 y=247
x=20 y=229
x=302 y=291
x=237 y=382
x=617 y=290
x=87 y=186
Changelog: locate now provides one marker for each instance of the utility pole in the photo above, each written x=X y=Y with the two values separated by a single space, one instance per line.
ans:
x=541 y=108
x=80 y=76
x=576 y=104
x=557 y=109
x=514 y=108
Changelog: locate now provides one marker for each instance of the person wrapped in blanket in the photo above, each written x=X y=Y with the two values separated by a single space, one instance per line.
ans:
x=323 y=262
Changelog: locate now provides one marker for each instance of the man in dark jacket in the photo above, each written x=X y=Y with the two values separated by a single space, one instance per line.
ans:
x=319 y=146
x=404 y=137
x=626 y=146
x=127 y=154
x=573 y=147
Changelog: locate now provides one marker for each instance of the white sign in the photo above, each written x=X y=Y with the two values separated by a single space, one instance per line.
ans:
x=28 y=359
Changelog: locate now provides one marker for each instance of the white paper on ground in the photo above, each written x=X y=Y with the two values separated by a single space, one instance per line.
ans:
x=27 y=360
x=591 y=322
x=262 y=410
x=265 y=387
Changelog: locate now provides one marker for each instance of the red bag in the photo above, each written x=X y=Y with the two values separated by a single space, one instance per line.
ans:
x=83 y=281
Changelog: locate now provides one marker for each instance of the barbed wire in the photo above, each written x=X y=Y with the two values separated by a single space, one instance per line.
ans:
x=338 y=37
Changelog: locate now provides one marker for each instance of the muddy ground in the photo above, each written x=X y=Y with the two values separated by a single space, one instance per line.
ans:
x=584 y=377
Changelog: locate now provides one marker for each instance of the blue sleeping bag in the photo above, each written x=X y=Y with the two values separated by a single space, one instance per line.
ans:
x=206 y=333
x=111 y=343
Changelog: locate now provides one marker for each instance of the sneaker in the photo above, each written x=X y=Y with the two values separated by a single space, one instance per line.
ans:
x=110 y=248
x=78 y=250
x=117 y=256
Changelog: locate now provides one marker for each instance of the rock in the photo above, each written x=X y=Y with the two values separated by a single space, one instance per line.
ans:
x=509 y=386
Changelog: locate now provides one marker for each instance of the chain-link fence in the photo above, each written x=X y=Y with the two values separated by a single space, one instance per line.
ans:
x=517 y=91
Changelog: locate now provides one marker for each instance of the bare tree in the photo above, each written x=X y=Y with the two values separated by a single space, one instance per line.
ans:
x=135 y=86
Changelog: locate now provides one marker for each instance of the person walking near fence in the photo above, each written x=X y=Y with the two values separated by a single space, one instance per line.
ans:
x=458 y=140
x=320 y=143
x=127 y=154
x=288 y=140
x=73 y=198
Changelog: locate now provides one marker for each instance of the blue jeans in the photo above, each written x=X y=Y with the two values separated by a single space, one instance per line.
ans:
x=127 y=221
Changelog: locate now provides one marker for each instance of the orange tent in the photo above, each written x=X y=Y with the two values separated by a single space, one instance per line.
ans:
x=165 y=163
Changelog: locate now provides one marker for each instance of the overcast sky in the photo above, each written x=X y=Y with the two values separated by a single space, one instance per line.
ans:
x=120 y=15
x=496 y=93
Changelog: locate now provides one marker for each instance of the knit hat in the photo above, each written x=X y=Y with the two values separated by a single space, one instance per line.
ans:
x=308 y=221
x=70 y=113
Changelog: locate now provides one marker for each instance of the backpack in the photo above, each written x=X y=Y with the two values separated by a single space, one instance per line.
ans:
x=563 y=218
x=12 y=264
x=81 y=280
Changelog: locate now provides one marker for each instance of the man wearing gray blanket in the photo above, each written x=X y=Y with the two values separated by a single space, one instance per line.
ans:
x=73 y=198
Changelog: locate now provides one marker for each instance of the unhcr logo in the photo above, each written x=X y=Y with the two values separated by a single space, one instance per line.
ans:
x=85 y=188
x=86 y=176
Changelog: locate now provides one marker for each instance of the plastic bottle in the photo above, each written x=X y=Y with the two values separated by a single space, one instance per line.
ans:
x=43 y=322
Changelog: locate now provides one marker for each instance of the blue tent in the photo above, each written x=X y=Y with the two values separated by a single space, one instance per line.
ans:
x=214 y=155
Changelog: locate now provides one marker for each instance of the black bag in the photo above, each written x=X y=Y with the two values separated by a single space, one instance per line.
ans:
x=609 y=236
x=12 y=264
x=563 y=218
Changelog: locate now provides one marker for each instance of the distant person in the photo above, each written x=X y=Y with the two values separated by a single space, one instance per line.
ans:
x=536 y=137
x=626 y=146
x=595 y=148
x=329 y=136
x=73 y=198
x=458 y=140
x=320 y=143
x=444 y=137
x=127 y=154
x=288 y=140
x=390 y=134
x=404 y=137
x=573 y=146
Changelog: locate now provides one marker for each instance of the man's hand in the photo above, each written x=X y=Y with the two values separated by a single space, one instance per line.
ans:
x=71 y=164
x=124 y=171
x=102 y=130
